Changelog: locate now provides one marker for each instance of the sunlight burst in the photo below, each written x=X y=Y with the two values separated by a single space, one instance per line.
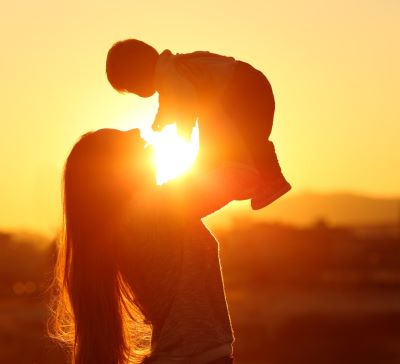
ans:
x=173 y=155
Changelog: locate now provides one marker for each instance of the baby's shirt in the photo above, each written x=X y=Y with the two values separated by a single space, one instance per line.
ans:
x=189 y=85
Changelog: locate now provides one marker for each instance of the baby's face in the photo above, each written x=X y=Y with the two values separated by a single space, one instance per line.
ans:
x=141 y=83
x=142 y=90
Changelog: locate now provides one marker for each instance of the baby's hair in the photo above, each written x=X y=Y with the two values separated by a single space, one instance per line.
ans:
x=129 y=62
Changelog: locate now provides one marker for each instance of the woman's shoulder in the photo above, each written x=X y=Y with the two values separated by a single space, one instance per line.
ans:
x=147 y=218
x=151 y=205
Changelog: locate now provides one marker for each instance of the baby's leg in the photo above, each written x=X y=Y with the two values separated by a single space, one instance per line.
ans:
x=273 y=184
x=250 y=104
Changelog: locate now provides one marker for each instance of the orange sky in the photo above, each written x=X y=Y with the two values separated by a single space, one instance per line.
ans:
x=334 y=68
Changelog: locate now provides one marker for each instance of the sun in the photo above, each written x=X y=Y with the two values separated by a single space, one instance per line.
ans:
x=173 y=155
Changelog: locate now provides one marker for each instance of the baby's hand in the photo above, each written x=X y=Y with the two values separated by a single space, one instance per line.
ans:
x=185 y=129
x=170 y=112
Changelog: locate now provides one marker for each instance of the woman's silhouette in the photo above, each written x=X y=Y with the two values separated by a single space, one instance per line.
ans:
x=134 y=254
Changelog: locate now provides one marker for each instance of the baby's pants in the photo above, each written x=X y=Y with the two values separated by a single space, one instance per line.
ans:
x=224 y=360
x=250 y=105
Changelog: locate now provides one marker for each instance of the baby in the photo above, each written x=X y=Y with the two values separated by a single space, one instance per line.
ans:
x=232 y=101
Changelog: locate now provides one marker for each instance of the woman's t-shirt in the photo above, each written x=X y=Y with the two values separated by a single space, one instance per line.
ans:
x=172 y=264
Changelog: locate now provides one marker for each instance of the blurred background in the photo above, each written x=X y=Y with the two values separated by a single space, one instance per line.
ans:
x=315 y=277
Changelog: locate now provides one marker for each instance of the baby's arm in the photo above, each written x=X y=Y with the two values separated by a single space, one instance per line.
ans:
x=177 y=100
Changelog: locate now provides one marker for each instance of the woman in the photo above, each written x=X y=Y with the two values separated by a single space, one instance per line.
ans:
x=135 y=255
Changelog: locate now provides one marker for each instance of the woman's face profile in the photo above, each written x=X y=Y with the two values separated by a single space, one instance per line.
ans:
x=136 y=157
x=111 y=161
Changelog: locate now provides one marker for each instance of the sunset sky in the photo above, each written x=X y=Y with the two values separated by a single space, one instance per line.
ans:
x=333 y=65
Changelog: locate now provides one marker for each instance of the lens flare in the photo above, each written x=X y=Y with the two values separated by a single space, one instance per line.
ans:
x=173 y=155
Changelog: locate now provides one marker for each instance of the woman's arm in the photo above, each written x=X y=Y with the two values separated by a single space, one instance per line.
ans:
x=199 y=193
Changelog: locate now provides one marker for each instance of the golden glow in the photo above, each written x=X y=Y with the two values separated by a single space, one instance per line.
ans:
x=173 y=155
x=339 y=57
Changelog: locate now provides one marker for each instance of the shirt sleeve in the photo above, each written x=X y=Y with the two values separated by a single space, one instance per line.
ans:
x=178 y=100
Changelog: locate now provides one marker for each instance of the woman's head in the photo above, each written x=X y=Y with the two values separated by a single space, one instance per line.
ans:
x=130 y=67
x=92 y=303
x=102 y=171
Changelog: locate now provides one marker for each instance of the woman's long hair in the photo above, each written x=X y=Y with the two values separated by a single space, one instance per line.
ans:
x=93 y=310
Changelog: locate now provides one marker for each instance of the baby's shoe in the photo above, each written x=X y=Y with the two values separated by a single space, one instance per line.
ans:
x=273 y=183
x=269 y=192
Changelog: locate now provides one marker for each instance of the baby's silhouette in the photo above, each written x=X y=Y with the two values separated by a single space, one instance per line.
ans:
x=232 y=101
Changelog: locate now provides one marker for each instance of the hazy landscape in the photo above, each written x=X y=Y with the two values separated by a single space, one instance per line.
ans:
x=303 y=209
x=323 y=293
x=312 y=279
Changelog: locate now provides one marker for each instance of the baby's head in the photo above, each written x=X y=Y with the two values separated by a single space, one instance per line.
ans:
x=130 y=67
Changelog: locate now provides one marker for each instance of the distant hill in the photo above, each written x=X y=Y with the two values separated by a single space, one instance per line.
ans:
x=306 y=208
